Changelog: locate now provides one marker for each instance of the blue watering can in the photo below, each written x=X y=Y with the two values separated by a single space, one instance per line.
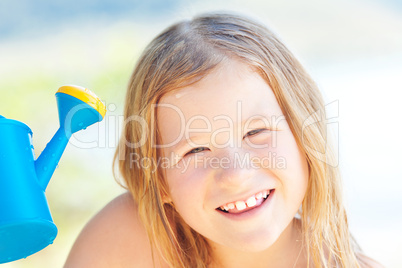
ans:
x=26 y=225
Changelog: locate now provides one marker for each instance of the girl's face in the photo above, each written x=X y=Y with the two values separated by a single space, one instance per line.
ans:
x=235 y=173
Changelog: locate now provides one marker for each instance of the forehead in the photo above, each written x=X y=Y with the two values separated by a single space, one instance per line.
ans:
x=233 y=90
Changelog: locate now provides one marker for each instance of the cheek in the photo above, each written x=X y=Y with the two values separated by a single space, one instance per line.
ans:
x=186 y=187
x=290 y=165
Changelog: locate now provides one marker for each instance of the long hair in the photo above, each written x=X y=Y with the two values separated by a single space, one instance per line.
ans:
x=185 y=53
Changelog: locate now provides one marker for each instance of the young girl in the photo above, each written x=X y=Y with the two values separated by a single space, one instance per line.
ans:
x=220 y=166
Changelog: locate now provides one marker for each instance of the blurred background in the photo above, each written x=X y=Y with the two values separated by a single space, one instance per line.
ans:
x=352 y=48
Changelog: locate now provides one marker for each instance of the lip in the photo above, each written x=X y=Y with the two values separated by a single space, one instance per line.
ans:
x=249 y=213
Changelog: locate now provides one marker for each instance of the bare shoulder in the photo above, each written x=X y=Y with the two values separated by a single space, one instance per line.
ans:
x=115 y=237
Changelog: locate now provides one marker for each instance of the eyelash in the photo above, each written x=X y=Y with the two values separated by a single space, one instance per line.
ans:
x=248 y=134
x=254 y=132
x=196 y=150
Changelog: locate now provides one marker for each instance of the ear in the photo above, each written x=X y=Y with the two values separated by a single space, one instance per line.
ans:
x=166 y=199
x=164 y=193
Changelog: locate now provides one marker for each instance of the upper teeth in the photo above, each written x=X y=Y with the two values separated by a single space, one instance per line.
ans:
x=250 y=202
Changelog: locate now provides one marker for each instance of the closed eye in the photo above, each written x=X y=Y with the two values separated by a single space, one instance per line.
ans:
x=254 y=132
x=196 y=150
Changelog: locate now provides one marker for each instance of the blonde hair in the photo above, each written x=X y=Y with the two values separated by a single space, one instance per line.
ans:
x=184 y=54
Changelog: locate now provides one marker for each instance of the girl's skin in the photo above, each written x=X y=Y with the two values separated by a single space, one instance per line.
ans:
x=266 y=235
x=230 y=114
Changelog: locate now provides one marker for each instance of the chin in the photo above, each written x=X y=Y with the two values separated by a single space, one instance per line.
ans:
x=254 y=242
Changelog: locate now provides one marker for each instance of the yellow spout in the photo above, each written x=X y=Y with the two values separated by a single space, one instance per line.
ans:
x=86 y=96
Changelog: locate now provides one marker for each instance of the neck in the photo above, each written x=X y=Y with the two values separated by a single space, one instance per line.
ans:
x=287 y=251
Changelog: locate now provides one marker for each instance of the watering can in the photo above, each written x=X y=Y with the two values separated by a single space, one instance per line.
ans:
x=26 y=225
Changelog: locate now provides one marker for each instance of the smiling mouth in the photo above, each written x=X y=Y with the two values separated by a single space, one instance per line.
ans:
x=246 y=205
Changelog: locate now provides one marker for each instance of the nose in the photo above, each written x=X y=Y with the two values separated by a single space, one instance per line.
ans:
x=235 y=170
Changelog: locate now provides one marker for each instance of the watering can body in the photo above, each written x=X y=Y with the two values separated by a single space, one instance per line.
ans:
x=26 y=225
x=25 y=218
